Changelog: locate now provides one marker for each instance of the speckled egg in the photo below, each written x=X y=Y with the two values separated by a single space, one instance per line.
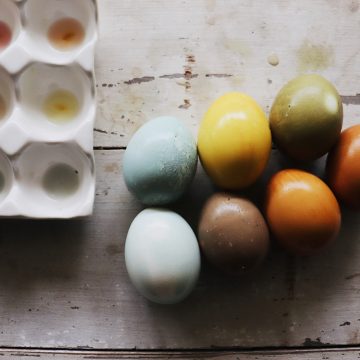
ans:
x=160 y=161
x=233 y=234
x=162 y=256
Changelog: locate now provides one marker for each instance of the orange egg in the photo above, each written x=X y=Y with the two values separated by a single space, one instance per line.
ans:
x=343 y=168
x=302 y=212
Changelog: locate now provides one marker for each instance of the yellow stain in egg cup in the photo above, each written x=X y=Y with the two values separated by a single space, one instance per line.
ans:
x=61 y=106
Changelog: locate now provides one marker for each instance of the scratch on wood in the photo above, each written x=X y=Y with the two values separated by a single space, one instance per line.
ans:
x=140 y=80
x=346 y=323
x=219 y=75
x=178 y=76
x=351 y=99
x=353 y=276
x=100 y=131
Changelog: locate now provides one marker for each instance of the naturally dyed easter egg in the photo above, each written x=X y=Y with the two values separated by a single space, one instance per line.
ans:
x=302 y=212
x=343 y=168
x=234 y=141
x=233 y=234
x=306 y=117
x=162 y=256
x=160 y=161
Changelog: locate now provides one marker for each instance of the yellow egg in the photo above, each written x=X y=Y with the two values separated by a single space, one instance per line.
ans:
x=234 y=141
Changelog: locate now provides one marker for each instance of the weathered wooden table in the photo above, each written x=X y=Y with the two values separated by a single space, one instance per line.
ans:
x=64 y=290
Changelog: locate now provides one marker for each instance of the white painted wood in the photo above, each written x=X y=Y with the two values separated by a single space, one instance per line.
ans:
x=175 y=57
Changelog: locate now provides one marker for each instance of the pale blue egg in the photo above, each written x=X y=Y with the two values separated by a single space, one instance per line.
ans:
x=162 y=256
x=160 y=161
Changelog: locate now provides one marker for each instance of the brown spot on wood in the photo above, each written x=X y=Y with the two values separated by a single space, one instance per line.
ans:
x=211 y=21
x=187 y=73
x=112 y=168
x=139 y=80
x=113 y=249
x=75 y=308
x=185 y=105
x=354 y=6
x=351 y=100
x=190 y=59
x=314 y=56
x=210 y=5
x=354 y=338
x=314 y=343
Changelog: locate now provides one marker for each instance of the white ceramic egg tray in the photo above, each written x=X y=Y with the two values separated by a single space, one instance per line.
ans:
x=46 y=168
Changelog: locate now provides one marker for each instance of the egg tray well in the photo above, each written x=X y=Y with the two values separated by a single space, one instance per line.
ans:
x=47 y=107
x=29 y=22
x=47 y=181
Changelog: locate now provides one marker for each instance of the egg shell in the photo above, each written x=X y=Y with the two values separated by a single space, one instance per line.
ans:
x=302 y=212
x=234 y=141
x=306 y=117
x=343 y=168
x=160 y=161
x=233 y=234
x=162 y=256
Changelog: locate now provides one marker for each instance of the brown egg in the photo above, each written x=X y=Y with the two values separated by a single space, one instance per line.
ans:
x=233 y=234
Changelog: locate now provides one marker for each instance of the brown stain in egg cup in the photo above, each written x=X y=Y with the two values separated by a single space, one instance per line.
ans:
x=66 y=34
x=233 y=234
x=5 y=35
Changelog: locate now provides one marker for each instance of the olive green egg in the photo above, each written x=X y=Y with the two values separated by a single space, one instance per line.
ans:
x=306 y=117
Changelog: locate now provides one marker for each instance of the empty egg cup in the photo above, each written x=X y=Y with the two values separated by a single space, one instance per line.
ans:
x=7 y=96
x=6 y=177
x=59 y=31
x=56 y=181
x=10 y=25
x=56 y=102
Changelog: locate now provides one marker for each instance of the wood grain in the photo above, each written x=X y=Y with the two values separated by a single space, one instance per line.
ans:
x=175 y=57
x=332 y=354
x=63 y=284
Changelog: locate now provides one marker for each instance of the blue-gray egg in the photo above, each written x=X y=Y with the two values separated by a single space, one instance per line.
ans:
x=162 y=256
x=160 y=161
